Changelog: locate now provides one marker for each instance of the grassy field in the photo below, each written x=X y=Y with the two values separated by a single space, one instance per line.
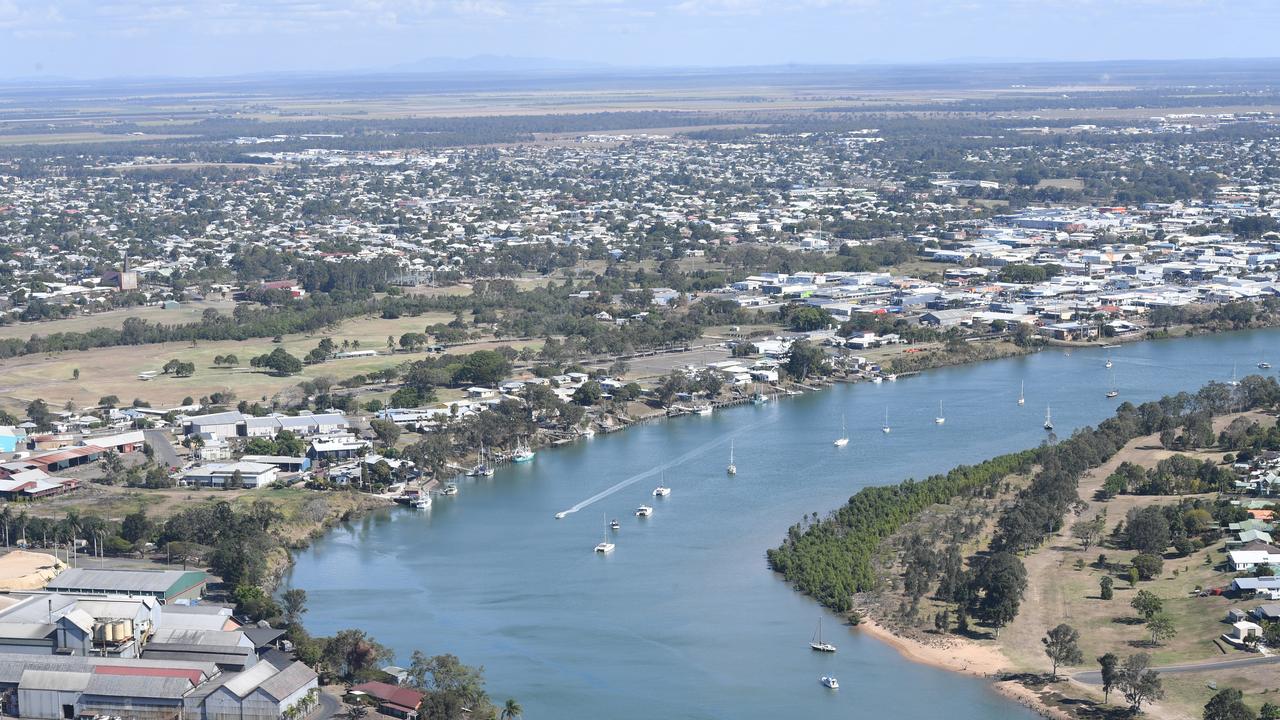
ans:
x=80 y=137
x=188 y=312
x=1058 y=591
x=114 y=371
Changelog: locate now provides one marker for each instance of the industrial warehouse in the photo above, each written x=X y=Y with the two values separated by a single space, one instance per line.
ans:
x=138 y=645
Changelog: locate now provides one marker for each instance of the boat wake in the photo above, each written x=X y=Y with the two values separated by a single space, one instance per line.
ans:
x=657 y=469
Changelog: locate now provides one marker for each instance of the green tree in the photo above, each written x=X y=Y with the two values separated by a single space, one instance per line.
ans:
x=999 y=584
x=484 y=367
x=294 y=602
x=1147 y=604
x=136 y=526
x=1148 y=566
x=805 y=359
x=805 y=318
x=1161 y=628
x=511 y=710
x=1088 y=531
x=1228 y=704
x=1106 y=586
x=1270 y=711
x=1110 y=665
x=1139 y=682
x=587 y=394
x=388 y=432
x=1062 y=646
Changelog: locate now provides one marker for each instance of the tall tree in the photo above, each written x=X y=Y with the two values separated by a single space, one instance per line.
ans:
x=1139 y=682
x=1062 y=645
x=1110 y=665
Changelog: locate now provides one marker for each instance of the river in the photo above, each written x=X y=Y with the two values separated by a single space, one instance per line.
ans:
x=684 y=619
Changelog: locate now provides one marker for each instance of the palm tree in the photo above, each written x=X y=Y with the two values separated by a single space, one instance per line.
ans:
x=511 y=710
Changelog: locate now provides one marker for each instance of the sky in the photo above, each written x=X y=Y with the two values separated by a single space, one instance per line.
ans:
x=139 y=38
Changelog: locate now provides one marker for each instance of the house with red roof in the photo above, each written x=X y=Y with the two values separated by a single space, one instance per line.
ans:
x=391 y=700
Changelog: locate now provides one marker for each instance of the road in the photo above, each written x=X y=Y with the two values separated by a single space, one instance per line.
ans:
x=1093 y=677
x=159 y=442
x=326 y=708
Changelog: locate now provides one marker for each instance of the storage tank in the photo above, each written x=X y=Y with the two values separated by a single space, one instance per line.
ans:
x=119 y=625
x=99 y=632
x=113 y=631
x=126 y=627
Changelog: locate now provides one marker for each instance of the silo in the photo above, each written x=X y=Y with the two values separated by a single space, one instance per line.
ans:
x=126 y=628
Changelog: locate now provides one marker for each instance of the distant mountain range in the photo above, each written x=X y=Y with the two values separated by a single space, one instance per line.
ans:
x=495 y=64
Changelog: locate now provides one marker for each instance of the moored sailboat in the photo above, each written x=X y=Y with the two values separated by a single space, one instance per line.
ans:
x=818 y=644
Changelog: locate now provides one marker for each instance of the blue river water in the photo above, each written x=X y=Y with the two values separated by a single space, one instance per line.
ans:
x=684 y=619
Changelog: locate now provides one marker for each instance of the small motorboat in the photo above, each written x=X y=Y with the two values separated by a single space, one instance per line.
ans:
x=830 y=682
x=644 y=511
x=450 y=489
x=422 y=501
x=614 y=525
x=560 y=515
x=1264 y=365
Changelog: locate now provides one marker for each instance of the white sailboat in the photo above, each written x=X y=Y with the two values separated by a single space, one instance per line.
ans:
x=1113 y=392
x=941 y=418
x=731 y=469
x=662 y=490
x=1048 y=418
x=1022 y=396
x=644 y=511
x=818 y=644
x=844 y=435
x=604 y=546
x=1108 y=363
x=885 y=428
x=1233 y=381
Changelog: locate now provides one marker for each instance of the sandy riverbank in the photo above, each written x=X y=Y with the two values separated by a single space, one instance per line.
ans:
x=963 y=656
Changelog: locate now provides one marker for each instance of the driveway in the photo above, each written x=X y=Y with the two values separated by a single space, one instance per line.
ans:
x=326 y=708
x=159 y=442
x=1093 y=677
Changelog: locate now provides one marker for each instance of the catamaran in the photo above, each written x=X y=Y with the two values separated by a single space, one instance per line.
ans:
x=604 y=546
x=1048 y=418
x=941 y=418
x=731 y=469
x=644 y=511
x=818 y=644
x=885 y=428
x=662 y=490
x=1022 y=393
x=844 y=435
